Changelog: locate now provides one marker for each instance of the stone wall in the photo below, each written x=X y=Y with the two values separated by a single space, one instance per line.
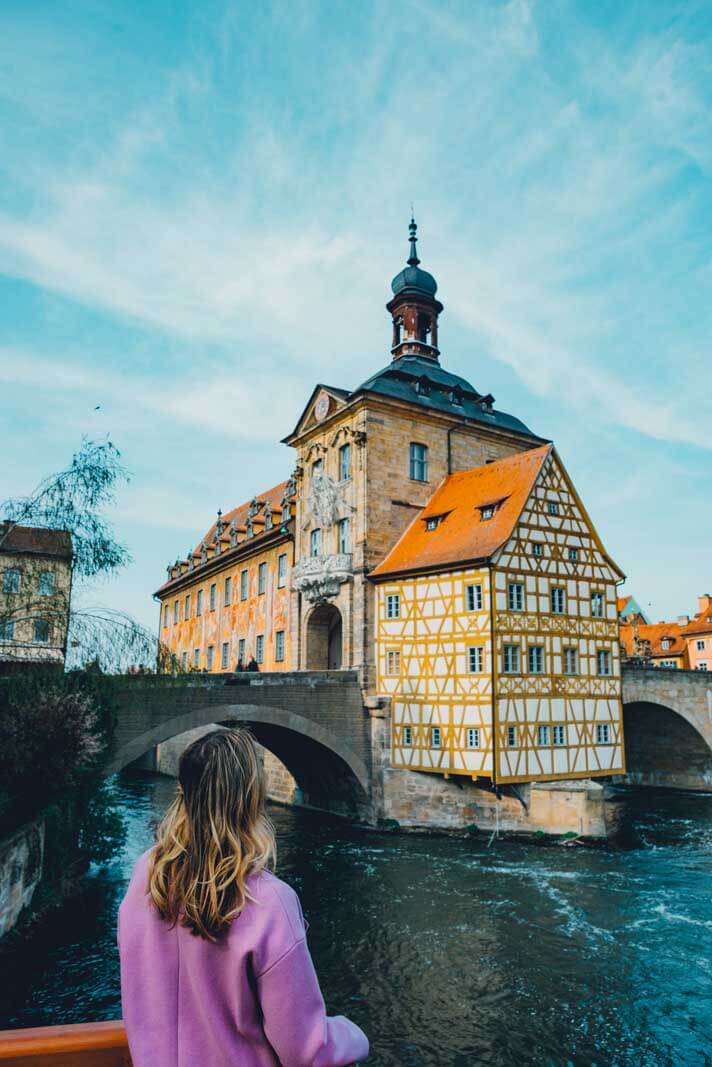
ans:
x=21 y=859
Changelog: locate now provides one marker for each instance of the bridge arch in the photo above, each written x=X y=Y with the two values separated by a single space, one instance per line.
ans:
x=665 y=747
x=330 y=775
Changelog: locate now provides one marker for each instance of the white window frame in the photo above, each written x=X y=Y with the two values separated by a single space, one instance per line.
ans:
x=436 y=737
x=700 y=646
x=603 y=659
x=244 y=583
x=176 y=612
x=282 y=571
x=570 y=656
x=558 y=735
x=513 y=653
x=603 y=733
x=279 y=646
x=475 y=659
x=345 y=463
x=225 y=655
x=542 y=735
x=407 y=736
x=393 y=662
x=261 y=579
x=315 y=542
x=393 y=606
x=473 y=737
x=557 y=595
x=702 y=665
x=213 y=596
x=515 y=596
x=597 y=602
x=418 y=462
x=535 y=653
x=241 y=650
x=166 y=615
x=186 y=607
x=199 y=603
x=552 y=507
x=210 y=657
x=573 y=555
x=344 y=535
x=228 y=591
x=537 y=548
x=473 y=597
x=511 y=737
x=196 y=658
x=260 y=648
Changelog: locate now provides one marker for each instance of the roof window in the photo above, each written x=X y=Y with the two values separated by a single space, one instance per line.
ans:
x=487 y=511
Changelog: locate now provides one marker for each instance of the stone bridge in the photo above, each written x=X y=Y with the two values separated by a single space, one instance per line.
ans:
x=314 y=722
x=334 y=741
x=667 y=721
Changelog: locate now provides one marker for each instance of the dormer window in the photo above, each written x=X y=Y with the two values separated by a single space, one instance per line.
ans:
x=422 y=386
x=433 y=521
x=665 y=643
x=487 y=511
x=456 y=396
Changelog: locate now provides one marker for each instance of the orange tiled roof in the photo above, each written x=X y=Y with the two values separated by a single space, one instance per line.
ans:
x=699 y=624
x=462 y=536
x=239 y=514
x=274 y=496
x=655 y=633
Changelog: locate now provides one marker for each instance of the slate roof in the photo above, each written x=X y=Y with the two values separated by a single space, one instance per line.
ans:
x=35 y=541
x=401 y=378
x=462 y=535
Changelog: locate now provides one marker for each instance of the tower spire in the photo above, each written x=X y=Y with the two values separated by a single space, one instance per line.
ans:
x=413 y=260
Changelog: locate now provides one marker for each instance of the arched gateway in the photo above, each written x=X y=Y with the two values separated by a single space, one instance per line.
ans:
x=324 y=639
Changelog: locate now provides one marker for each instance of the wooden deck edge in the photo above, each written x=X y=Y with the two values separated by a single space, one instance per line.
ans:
x=49 y=1040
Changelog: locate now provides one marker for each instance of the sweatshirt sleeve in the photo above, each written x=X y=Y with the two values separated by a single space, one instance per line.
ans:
x=294 y=1015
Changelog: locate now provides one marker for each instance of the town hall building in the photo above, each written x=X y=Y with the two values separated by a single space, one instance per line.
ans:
x=438 y=546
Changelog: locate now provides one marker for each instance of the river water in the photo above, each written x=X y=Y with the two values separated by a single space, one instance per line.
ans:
x=450 y=953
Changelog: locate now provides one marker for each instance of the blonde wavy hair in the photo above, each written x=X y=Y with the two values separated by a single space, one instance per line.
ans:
x=213 y=836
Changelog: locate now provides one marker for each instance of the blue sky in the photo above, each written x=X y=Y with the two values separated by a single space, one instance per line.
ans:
x=202 y=206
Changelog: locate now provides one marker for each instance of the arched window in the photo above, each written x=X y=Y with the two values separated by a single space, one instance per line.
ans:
x=423 y=327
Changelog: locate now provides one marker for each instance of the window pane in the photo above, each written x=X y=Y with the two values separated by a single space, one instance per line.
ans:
x=46 y=583
x=344 y=462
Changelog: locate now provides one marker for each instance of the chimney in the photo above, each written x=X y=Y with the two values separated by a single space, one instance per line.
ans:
x=683 y=620
x=704 y=603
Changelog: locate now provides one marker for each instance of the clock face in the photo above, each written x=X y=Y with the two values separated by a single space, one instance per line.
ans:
x=321 y=408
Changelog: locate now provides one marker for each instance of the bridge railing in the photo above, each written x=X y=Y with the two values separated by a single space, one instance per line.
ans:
x=82 y=1045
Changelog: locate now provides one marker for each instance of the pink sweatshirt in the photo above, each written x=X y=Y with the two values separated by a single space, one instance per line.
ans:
x=250 y=1000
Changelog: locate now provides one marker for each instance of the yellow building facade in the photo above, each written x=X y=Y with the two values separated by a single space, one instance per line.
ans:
x=509 y=670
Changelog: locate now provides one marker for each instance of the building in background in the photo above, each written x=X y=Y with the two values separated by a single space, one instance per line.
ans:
x=698 y=635
x=659 y=644
x=35 y=594
x=629 y=608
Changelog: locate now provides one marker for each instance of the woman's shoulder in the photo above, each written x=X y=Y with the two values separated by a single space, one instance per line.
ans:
x=273 y=897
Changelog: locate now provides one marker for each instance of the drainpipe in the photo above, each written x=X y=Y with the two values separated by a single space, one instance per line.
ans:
x=450 y=432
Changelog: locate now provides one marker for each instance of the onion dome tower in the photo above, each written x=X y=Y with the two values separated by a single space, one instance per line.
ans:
x=414 y=309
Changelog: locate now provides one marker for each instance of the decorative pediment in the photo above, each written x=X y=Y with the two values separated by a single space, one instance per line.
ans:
x=323 y=402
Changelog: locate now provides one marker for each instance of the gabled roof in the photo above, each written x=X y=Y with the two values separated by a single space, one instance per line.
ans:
x=462 y=536
x=340 y=395
x=35 y=541
x=655 y=633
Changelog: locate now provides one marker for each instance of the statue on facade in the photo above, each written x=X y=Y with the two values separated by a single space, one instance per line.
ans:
x=268 y=516
x=203 y=552
x=232 y=529
x=323 y=501
x=251 y=515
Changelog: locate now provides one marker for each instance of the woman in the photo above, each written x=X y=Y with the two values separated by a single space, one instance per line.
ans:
x=215 y=969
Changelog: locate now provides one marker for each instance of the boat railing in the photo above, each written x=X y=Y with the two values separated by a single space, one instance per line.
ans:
x=81 y=1045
